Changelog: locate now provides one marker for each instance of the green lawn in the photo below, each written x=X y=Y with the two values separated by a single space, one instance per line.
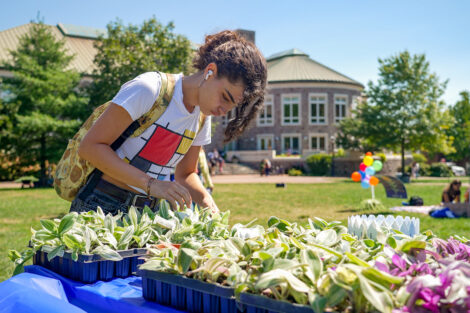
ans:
x=22 y=209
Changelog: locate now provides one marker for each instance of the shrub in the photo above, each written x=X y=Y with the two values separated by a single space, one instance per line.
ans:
x=319 y=164
x=424 y=169
x=294 y=172
x=371 y=205
x=420 y=158
x=339 y=153
x=440 y=170
x=382 y=157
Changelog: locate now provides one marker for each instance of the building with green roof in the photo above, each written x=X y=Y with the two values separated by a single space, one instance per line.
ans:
x=304 y=103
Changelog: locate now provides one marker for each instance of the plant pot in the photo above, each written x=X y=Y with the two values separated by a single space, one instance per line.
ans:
x=91 y=268
x=186 y=293
x=261 y=304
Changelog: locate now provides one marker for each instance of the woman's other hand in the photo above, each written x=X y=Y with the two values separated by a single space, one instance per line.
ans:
x=171 y=191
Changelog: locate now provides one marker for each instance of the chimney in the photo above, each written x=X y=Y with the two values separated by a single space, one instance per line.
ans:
x=247 y=34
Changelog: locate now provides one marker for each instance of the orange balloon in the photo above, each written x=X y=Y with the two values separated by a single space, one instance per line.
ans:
x=369 y=154
x=356 y=176
x=374 y=181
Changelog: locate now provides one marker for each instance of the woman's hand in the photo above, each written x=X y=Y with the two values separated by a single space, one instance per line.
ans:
x=171 y=191
x=208 y=202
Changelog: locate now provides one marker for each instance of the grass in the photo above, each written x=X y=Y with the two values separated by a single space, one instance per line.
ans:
x=22 y=209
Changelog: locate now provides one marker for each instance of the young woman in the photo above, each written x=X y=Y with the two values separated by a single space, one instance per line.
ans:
x=231 y=73
x=452 y=192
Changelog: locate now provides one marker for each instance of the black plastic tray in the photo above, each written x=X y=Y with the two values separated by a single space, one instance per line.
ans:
x=261 y=304
x=187 y=294
x=91 y=268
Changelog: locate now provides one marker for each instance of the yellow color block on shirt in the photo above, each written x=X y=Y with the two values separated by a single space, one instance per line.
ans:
x=189 y=134
x=184 y=145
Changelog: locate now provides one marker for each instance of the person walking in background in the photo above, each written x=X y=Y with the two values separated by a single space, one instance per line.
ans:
x=415 y=170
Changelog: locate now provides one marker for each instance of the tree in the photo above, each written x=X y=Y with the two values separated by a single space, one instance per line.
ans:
x=460 y=131
x=403 y=110
x=42 y=107
x=128 y=51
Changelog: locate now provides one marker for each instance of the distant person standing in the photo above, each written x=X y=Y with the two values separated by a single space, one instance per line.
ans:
x=415 y=170
x=267 y=167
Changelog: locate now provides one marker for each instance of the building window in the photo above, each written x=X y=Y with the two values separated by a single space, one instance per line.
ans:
x=231 y=146
x=291 y=144
x=340 y=108
x=265 y=142
x=318 y=142
x=290 y=110
x=266 y=116
x=318 y=109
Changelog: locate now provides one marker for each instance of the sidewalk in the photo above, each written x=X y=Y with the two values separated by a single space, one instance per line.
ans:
x=272 y=179
x=9 y=184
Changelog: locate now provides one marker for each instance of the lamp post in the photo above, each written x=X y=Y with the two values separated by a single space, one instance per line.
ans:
x=332 y=141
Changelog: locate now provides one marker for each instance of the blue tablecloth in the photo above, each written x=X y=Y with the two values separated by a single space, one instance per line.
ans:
x=41 y=290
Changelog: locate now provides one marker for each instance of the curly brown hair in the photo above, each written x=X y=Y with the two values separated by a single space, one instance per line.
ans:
x=236 y=59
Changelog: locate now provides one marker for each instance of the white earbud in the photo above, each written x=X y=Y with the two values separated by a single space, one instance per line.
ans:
x=209 y=73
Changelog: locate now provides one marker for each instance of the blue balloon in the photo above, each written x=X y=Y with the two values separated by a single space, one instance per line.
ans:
x=370 y=171
x=363 y=174
x=365 y=184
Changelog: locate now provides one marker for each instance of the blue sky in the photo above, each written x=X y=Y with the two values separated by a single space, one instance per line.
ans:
x=348 y=36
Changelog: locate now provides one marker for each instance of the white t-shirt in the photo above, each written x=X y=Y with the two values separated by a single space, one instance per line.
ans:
x=164 y=143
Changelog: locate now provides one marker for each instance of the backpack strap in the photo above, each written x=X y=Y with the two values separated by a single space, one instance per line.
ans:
x=167 y=89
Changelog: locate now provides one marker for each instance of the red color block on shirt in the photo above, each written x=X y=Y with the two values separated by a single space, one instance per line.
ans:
x=161 y=146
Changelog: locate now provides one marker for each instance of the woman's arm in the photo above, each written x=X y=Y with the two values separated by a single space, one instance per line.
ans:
x=186 y=175
x=96 y=148
x=445 y=196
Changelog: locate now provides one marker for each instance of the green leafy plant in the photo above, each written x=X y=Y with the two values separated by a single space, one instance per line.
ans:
x=371 y=205
x=319 y=164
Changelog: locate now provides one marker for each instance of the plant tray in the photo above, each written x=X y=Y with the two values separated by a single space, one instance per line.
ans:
x=261 y=304
x=187 y=294
x=91 y=268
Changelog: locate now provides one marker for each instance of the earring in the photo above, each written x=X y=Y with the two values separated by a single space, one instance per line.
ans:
x=209 y=73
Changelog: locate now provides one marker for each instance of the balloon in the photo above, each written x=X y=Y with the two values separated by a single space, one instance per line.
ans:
x=370 y=171
x=356 y=176
x=365 y=184
x=377 y=165
x=374 y=181
x=363 y=174
x=369 y=154
x=368 y=160
x=362 y=167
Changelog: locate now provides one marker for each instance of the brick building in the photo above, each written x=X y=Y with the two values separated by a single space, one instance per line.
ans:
x=304 y=103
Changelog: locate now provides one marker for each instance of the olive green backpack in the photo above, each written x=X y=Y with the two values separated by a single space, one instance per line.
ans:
x=72 y=171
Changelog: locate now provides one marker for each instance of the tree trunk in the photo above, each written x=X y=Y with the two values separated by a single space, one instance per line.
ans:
x=403 y=157
x=42 y=158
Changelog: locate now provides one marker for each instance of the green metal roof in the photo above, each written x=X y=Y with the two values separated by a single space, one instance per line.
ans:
x=81 y=31
x=296 y=66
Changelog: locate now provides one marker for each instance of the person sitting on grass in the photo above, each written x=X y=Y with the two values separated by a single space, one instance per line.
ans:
x=452 y=192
